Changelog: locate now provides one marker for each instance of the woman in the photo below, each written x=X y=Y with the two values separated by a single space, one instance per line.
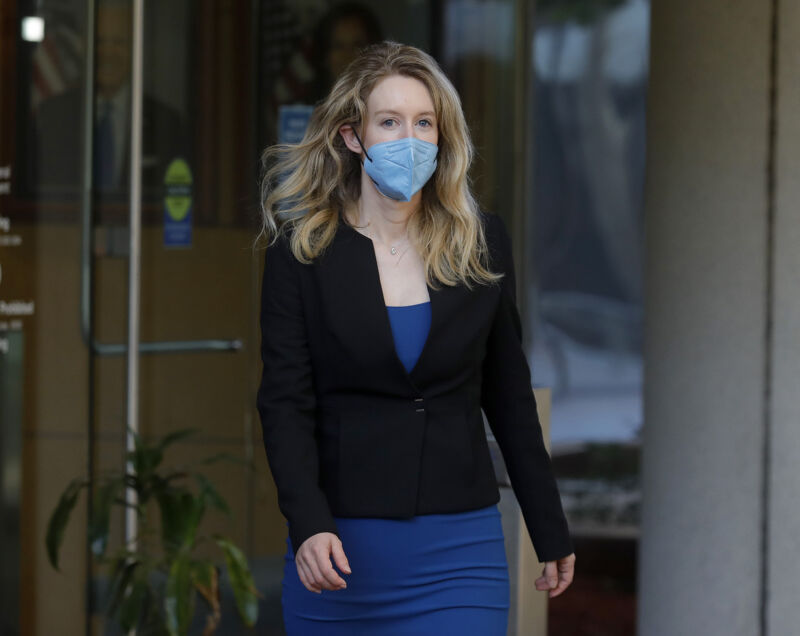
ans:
x=388 y=322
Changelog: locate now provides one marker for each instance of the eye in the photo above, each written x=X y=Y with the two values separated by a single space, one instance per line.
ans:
x=385 y=121
x=426 y=123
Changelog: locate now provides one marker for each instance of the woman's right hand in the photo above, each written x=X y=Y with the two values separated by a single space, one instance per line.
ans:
x=313 y=560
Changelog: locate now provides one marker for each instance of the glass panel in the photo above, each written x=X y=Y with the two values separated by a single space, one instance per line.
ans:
x=478 y=54
x=45 y=363
x=586 y=242
x=64 y=274
x=198 y=273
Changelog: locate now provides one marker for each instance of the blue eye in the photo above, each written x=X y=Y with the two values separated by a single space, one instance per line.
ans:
x=385 y=121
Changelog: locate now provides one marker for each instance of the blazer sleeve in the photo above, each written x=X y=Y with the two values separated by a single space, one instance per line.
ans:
x=286 y=399
x=507 y=399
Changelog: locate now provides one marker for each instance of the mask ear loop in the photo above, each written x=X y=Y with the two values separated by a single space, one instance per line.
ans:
x=368 y=157
x=362 y=146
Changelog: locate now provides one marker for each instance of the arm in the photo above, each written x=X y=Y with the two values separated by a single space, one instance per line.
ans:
x=286 y=400
x=508 y=401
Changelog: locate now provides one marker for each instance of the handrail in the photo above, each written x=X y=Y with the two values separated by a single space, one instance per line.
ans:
x=175 y=346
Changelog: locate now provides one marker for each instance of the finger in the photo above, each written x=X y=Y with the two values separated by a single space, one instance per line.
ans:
x=542 y=584
x=309 y=575
x=316 y=576
x=331 y=577
x=562 y=585
x=549 y=578
x=551 y=574
x=340 y=558
x=565 y=577
x=317 y=566
x=307 y=578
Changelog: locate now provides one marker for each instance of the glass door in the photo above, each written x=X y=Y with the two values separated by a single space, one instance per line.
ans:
x=76 y=291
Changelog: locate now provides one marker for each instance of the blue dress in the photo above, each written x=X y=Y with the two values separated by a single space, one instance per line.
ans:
x=437 y=574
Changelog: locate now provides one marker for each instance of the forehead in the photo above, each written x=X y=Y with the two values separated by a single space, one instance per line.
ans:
x=400 y=93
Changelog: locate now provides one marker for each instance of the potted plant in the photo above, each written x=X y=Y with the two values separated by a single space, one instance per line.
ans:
x=134 y=599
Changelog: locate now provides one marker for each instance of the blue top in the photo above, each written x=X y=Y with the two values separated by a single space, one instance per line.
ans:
x=410 y=325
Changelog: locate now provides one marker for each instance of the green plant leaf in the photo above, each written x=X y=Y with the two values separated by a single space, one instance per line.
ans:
x=123 y=570
x=147 y=461
x=205 y=576
x=179 y=601
x=181 y=513
x=210 y=494
x=101 y=515
x=60 y=518
x=133 y=603
x=203 y=573
x=145 y=457
x=244 y=589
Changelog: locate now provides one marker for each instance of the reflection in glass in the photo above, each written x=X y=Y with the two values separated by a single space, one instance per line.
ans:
x=307 y=45
x=590 y=64
x=57 y=109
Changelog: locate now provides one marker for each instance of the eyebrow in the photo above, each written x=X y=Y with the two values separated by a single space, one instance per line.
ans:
x=394 y=112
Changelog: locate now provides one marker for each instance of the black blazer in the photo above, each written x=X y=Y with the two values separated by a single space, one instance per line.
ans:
x=348 y=432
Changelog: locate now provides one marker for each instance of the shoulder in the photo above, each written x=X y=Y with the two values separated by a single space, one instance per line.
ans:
x=278 y=251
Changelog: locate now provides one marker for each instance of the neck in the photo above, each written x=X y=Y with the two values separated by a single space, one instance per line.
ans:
x=384 y=219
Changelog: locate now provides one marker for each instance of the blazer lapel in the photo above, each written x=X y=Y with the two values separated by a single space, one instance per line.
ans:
x=349 y=274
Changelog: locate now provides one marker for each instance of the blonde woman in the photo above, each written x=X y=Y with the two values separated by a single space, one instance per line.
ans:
x=388 y=322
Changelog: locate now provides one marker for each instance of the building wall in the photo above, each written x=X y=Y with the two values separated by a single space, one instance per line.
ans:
x=721 y=520
x=783 y=558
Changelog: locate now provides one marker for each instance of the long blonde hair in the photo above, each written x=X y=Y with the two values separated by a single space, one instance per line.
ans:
x=307 y=186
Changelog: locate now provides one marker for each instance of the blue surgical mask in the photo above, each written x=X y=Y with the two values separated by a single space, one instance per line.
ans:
x=399 y=168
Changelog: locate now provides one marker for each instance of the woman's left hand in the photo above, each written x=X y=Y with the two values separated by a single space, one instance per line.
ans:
x=557 y=575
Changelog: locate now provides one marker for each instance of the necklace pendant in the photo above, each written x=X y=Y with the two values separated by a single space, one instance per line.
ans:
x=394 y=250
